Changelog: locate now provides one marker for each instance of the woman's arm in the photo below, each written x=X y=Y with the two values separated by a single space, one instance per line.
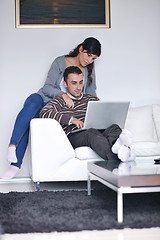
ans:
x=51 y=86
x=69 y=102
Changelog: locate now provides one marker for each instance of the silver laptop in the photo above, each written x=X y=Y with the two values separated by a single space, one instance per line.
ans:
x=101 y=115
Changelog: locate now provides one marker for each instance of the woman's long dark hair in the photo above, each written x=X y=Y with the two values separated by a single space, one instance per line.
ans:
x=92 y=46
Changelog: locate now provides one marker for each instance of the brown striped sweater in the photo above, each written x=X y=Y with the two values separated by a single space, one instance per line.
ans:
x=58 y=110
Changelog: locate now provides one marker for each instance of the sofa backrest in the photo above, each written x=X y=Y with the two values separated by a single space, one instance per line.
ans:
x=156 y=119
x=144 y=123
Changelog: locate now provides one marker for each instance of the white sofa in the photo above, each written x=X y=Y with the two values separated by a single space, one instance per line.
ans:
x=144 y=123
x=54 y=159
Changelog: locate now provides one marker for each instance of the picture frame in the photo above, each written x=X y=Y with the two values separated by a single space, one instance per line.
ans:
x=62 y=13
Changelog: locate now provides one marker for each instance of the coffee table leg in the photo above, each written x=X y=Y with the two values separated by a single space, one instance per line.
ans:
x=89 y=184
x=120 y=207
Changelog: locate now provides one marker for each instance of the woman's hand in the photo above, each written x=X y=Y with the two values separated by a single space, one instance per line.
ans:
x=69 y=102
x=77 y=122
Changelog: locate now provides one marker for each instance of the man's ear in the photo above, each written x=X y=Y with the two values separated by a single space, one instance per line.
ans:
x=65 y=84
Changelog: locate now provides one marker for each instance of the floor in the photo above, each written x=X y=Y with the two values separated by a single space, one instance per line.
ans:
x=125 y=234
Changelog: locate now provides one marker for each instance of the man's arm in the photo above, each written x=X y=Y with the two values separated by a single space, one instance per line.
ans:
x=53 y=109
x=77 y=122
x=57 y=110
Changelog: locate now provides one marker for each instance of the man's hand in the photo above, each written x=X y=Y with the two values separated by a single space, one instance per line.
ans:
x=69 y=102
x=78 y=123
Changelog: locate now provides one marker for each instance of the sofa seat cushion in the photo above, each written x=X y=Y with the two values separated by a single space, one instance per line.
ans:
x=86 y=153
x=145 y=149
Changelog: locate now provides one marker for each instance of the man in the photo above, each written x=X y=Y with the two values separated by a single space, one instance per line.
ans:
x=107 y=143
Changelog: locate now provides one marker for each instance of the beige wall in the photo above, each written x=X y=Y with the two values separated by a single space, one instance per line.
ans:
x=129 y=68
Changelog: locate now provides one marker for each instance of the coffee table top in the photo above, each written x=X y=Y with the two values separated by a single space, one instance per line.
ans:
x=131 y=174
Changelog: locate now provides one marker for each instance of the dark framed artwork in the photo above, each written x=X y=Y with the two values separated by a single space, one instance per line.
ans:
x=62 y=13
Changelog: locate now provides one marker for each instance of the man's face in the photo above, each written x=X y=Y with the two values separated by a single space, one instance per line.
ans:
x=74 y=84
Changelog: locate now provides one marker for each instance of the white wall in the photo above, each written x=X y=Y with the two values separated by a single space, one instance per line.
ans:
x=128 y=69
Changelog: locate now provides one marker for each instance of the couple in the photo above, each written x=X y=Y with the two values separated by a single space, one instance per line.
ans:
x=83 y=56
x=110 y=143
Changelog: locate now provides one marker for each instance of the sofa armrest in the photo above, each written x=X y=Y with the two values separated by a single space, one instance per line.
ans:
x=50 y=148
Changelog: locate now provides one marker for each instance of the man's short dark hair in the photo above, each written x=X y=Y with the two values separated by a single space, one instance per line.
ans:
x=69 y=70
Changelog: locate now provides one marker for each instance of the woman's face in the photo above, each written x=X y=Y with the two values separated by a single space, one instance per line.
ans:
x=86 y=58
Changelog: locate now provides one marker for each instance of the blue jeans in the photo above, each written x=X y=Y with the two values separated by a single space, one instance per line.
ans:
x=19 y=138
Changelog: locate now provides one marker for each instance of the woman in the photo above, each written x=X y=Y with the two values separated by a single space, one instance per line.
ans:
x=82 y=56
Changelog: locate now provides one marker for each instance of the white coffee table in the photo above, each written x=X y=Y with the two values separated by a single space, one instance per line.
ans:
x=129 y=177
